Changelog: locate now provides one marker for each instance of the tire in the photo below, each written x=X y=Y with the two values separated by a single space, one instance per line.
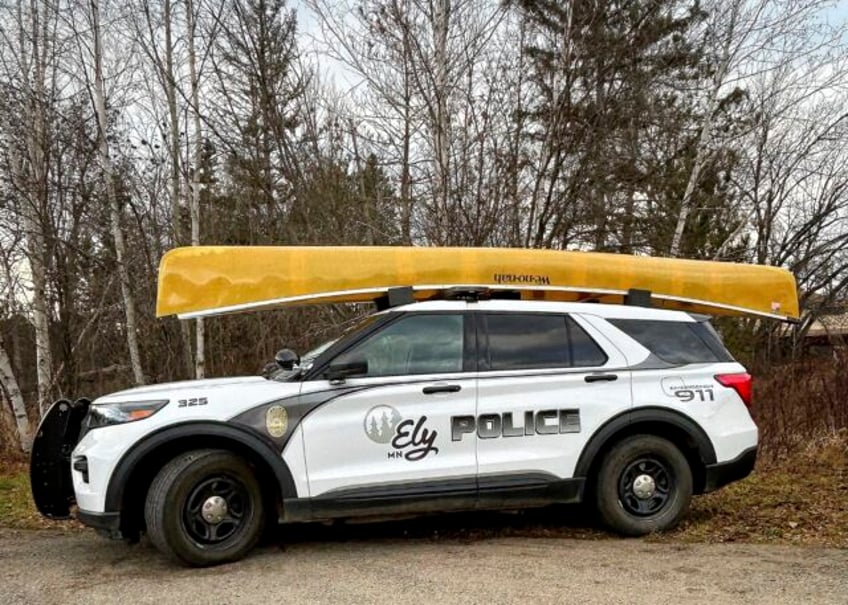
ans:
x=632 y=505
x=188 y=491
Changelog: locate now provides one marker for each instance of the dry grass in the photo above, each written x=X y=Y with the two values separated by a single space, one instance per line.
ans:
x=17 y=509
x=802 y=500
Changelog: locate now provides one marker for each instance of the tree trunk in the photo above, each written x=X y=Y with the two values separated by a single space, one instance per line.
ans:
x=34 y=69
x=170 y=84
x=705 y=137
x=200 y=349
x=13 y=391
x=405 y=172
x=40 y=313
x=99 y=96
x=442 y=121
x=173 y=125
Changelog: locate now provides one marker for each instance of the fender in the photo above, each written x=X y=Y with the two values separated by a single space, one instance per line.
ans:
x=653 y=415
x=247 y=439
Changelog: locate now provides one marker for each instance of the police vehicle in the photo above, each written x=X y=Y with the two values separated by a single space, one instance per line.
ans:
x=471 y=401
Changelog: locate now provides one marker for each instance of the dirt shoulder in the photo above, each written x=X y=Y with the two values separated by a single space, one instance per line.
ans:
x=320 y=567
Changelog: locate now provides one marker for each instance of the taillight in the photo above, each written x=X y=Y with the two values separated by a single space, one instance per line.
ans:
x=741 y=383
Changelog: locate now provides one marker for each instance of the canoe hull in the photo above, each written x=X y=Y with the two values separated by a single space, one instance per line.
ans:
x=212 y=280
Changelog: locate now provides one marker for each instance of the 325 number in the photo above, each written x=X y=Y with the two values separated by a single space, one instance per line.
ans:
x=187 y=403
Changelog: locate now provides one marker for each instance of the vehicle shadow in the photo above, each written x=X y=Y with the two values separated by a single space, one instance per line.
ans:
x=557 y=521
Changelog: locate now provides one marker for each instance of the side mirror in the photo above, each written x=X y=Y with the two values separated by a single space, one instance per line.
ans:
x=286 y=359
x=337 y=372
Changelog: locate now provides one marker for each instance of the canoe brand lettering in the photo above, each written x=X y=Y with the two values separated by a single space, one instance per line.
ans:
x=522 y=278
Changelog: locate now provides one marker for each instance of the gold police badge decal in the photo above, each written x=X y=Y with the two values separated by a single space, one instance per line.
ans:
x=276 y=421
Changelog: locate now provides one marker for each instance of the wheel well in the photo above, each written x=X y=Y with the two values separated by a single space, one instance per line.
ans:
x=146 y=468
x=685 y=442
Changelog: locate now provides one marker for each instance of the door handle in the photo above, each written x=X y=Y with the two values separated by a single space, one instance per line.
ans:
x=441 y=388
x=601 y=377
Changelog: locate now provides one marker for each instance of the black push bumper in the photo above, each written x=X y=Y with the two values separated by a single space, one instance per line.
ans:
x=722 y=473
x=109 y=523
x=50 y=464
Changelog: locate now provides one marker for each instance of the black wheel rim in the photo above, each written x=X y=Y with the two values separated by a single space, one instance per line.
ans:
x=237 y=511
x=634 y=489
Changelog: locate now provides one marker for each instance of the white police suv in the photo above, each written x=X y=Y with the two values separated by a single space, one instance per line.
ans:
x=433 y=406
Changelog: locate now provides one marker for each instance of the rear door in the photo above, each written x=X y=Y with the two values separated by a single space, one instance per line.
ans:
x=385 y=436
x=547 y=381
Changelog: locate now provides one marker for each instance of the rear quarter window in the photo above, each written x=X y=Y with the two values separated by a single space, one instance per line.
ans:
x=677 y=342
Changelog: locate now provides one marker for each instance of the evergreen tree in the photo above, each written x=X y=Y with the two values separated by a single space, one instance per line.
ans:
x=604 y=74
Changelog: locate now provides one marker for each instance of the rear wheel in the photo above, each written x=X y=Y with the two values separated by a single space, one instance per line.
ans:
x=205 y=507
x=644 y=485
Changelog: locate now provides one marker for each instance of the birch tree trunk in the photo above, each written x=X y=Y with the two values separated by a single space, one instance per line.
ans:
x=13 y=391
x=405 y=175
x=99 y=96
x=33 y=39
x=170 y=83
x=200 y=348
x=704 y=139
x=40 y=315
x=442 y=121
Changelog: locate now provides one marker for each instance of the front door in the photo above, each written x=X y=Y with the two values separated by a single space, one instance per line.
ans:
x=386 y=436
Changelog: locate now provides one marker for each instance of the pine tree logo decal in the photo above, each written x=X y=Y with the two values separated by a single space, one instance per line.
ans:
x=380 y=423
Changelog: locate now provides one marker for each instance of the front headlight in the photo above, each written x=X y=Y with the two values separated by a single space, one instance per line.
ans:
x=105 y=414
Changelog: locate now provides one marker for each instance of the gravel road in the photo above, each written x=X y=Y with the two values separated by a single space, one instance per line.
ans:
x=78 y=567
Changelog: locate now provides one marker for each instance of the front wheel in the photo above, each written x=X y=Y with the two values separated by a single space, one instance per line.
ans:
x=204 y=508
x=644 y=485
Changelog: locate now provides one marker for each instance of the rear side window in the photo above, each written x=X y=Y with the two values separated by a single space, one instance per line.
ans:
x=536 y=341
x=677 y=342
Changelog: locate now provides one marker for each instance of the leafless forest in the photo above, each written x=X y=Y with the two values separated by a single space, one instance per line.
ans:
x=711 y=129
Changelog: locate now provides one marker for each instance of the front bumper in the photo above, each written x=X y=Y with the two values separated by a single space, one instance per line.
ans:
x=722 y=473
x=108 y=524
x=50 y=465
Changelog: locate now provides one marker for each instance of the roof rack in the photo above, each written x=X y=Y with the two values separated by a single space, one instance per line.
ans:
x=638 y=298
x=473 y=294
x=395 y=297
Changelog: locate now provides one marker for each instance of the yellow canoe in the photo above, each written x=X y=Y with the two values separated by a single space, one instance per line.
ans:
x=212 y=280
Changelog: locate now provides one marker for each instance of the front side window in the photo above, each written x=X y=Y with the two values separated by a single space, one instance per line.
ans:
x=415 y=344
x=523 y=341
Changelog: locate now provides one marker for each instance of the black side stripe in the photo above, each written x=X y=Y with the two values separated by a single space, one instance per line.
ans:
x=297 y=407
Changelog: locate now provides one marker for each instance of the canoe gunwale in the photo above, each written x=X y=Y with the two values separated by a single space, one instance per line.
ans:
x=337 y=297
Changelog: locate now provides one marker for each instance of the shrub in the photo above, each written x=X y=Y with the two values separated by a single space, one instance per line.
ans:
x=799 y=403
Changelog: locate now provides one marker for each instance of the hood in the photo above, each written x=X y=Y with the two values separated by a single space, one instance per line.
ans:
x=171 y=389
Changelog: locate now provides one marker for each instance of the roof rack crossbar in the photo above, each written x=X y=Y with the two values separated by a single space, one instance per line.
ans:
x=638 y=298
x=395 y=297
